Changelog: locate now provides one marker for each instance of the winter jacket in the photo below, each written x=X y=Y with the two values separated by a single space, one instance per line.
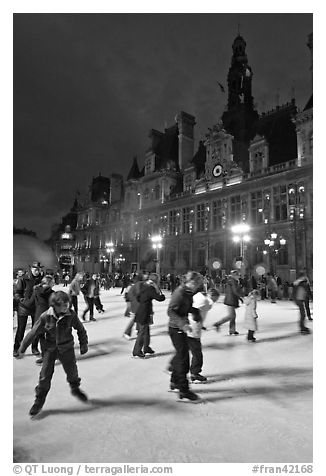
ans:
x=250 y=322
x=300 y=289
x=145 y=309
x=57 y=330
x=232 y=292
x=24 y=293
x=42 y=295
x=133 y=294
x=203 y=304
x=180 y=306
x=89 y=288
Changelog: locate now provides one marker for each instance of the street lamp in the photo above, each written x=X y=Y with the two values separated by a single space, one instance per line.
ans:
x=110 y=250
x=120 y=260
x=104 y=260
x=241 y=236
x=157 y=245
x=273 y=244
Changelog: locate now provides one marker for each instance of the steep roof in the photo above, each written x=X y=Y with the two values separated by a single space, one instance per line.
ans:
x=134 y=172
x=199 y=159
x=309 y=104
x=279 y=130
x=167 y=148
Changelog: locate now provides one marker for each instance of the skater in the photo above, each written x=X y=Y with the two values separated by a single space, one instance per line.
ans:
x=74 y=290
x=57 y=323
x=133 y=294
x=203 y=302
x=271 y=287
x=231 y=300
x=97 y=301
x=144 y=313
x=26 y=303
x=88 y=291
x=181 y=304
x=300 y=291
x=250 y=319
x=42 y=294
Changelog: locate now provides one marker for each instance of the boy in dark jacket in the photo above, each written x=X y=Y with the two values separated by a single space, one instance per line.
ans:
x=57 y=323
x=143 y=316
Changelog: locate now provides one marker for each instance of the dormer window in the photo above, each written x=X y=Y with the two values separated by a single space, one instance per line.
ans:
x=150 y=164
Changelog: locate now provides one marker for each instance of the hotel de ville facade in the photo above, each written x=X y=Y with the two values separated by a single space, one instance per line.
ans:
x=254 y=169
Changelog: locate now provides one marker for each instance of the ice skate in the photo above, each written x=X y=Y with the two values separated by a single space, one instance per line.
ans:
x=76 y=392
x=189 y=397
x=198 y=378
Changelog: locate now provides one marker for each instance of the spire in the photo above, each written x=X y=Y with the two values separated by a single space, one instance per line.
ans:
x=134 y=172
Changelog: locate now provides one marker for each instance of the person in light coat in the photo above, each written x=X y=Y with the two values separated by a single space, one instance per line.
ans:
x=250 y=319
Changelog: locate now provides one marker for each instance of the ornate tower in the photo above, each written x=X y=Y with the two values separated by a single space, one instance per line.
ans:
x=240 y=116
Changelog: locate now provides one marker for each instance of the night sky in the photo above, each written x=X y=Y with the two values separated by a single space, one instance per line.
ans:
x=89 y=87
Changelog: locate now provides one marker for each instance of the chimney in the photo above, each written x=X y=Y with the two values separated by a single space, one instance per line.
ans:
x=186 y=124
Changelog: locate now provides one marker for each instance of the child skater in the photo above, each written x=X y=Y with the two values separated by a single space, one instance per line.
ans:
x=250 y=319
x=57 y=323
x=203 y=302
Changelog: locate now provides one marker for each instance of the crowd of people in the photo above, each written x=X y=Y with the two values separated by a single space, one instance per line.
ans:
x=55 y=313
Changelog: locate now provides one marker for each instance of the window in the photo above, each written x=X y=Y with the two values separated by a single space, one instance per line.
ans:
x=174 y=222
x=256 y=205
x=157 y=191
x=257 y=163
x=188 y=182
x=187 y=213
x=200 y=217
x=280 y=203
x=235 y=211
x=186 y=258
x=282 y=255
x=217 y=211
x=201 y=257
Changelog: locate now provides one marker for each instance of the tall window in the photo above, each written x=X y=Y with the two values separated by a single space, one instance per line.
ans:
x=235 y=212
x=186 y=220
x=217 y=212
x=256 y=205
x=280 y=203
x=174 y=221
x=201 y=257
x=200 y=217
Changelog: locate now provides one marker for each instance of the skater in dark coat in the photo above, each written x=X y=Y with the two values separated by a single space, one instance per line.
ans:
x=144 y=313
x=181 y=304
x=57 y=323
x=26 y=303
x=133 y=295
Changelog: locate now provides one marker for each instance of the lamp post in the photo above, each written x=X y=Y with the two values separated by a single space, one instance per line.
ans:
x=110 y=250
x=120 y=260
x=157 y=245
x=273 y=243
x=241 y=235
x=104 y=260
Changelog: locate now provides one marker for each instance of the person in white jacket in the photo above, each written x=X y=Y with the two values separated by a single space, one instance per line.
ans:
x=204 y=303
x=250 y=319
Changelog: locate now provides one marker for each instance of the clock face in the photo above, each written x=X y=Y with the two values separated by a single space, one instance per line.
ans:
x=217 y=170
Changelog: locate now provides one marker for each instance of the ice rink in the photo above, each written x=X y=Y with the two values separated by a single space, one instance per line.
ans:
x=257 y=401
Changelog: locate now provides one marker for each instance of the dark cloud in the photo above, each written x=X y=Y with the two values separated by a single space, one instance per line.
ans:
x=88 y=87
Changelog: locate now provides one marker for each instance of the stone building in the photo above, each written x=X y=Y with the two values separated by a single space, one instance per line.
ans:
x=251 y=168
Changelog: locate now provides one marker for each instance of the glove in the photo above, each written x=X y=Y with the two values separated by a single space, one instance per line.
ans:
x=186 y=328
x=83 y=349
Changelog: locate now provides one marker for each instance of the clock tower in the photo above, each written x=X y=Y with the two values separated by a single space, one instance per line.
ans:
x=240 y=116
